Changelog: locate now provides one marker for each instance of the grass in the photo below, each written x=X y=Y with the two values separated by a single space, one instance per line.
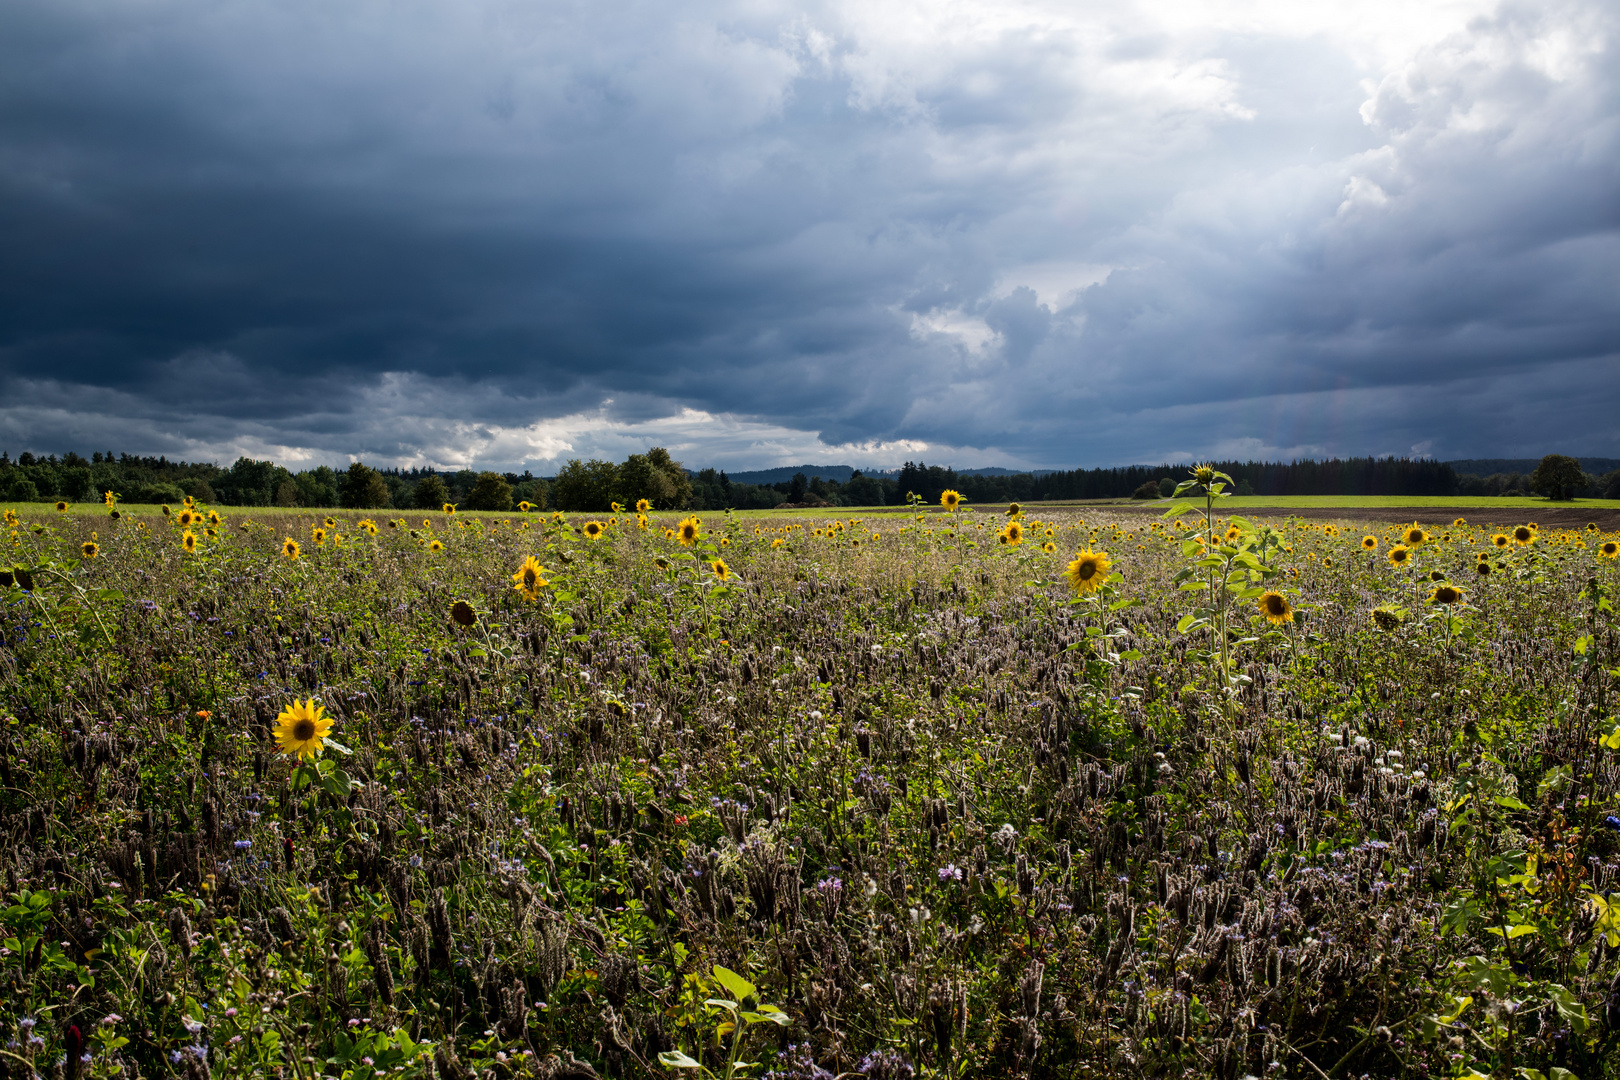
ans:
x=947 y=816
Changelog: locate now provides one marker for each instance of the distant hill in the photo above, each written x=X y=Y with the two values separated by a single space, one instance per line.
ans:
x=1597 y=466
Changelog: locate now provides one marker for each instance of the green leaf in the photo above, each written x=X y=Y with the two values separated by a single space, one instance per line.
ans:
x=737 y=986
x=1510 y=803
x=1186 y=622
x=674 y=1059
x=1570 y=1009
x=332 y=744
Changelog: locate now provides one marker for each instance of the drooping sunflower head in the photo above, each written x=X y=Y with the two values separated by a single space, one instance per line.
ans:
x=188 y=540
x=1609 y=550
x=1414 y=535
x=1446 y=594
x=1276 y=608
x=290 y=548
x=165 y=509
x=462 y=613
x=721 y=570
x=1013 y=509
x=593 y=529
x=1459 y=523
x=643 y=506
x=1088 y=570
x=449 y=508
x=1399 y=555
x=950 y=499
x=301 y=729
x=330 y=523
x=1482 y=568
x=1437 y=575
x=778 y=542
x=644 y=522
x=1387 y=618
x=1369 y=543
x=1203 y=473
x=89 y=550
x=686 y=531
x=1524 y=535
x=109 y=498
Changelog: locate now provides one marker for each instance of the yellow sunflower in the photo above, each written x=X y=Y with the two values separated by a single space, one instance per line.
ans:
x=1501 y=540
x=1459 y=523
x=1013 y=534
x=1414 y=535
x=530 y=578
x=778 y=542
x=301 y=729
x=188 y=540
x=1446 y=594
x=1275 y=607
x=1609 y=550
x=61 y=507
x=721 y=570
x=1049 y=547
x=186 y=519
x=317 y=535
x=1399 y=555
x=525 y=506
x=330 y=523
x=89 y=550
x=1524 y=535
x=1013 y=509
x=290 y=548
x=1369 y=543
x=686 y=531
x=1482 y=568
x=593 y=529
x=437 y=545
x=449 y=508
x=1087 y=572
x=950 y=499
x=643 y=506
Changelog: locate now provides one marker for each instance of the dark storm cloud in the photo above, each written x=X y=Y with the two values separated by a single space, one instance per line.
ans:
x=513 y=232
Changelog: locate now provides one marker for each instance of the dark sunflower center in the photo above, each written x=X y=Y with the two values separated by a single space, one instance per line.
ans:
x=529 y=578
x=1087 y=571
x=304 y=730
x=1275 y=605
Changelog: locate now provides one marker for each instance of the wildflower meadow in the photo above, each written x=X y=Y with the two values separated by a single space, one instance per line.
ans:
x=954 y=791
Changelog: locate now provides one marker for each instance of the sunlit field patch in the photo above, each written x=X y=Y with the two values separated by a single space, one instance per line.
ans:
x=947 y=792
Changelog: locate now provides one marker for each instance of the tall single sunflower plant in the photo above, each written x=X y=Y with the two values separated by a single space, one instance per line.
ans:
x=302 y=733
x=1227 y=565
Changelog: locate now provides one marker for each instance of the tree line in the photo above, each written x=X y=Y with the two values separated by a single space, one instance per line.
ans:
x=593 y=486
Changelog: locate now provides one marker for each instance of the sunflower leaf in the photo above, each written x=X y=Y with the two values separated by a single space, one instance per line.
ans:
x=332 y=744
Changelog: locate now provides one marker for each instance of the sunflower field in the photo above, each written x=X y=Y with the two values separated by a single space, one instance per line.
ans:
x=947 y=793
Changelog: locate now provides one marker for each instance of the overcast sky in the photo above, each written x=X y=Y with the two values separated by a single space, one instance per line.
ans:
x=971 y=232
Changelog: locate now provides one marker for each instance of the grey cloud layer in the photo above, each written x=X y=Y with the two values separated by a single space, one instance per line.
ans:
x=1003 y=235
